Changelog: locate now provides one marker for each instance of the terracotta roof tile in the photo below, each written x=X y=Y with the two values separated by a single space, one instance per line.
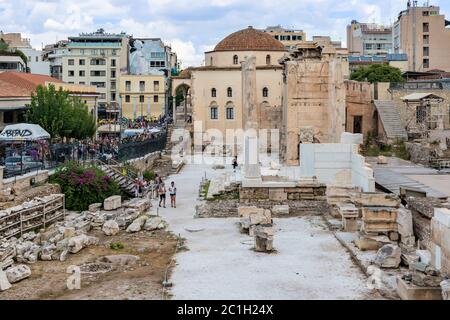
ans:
x=9 y=90
x=26 y=81
x=250 y=40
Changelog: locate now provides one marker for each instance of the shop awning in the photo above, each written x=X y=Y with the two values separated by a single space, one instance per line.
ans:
x=109 y=128
x=23 y=132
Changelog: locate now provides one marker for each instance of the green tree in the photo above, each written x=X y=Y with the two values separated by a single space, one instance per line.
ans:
x=61 y=115
x=378 y=73
x=3 y=45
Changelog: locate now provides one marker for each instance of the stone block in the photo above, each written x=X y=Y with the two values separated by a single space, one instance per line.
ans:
x=348 y=210
x=277 y=195
x=18 y=273
x=424 y=256
x=261 y=218
x=263 y=238
x=280 y=210
x=95 y=207
x=4 y=283
x=111 y=228
x=368 y=244
x=405 y=222
x=445 y=287
x=389 y=256
x=408 y=291
x=375 y=200
x=350 y=224
x=155 y=223
x=244 y=212
x=112 y=203
x=443 y=216
x=379 y=219
x=139 y=204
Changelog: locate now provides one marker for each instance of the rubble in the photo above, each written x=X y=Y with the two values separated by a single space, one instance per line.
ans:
x=281 y=210
x=77 y=243
x=155 y=223
x=111 y=228
x=445 y=286
x=95 y=207
x=137 y=224
x=139 y=204
x=120 y=259
x=264 y=238
x=112 y=203
x=389 y=256
x=18 y=273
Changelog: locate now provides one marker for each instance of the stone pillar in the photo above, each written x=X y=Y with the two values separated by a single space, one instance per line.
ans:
x=250 y=119
x=174 y=107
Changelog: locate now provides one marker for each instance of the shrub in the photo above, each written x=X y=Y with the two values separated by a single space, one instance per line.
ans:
x=116 y=246
x=149 y=175
x=83 y=185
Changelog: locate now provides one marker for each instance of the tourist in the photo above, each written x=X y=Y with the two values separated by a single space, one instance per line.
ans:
x=173 y=195
x=235 y=164
x=162 y=194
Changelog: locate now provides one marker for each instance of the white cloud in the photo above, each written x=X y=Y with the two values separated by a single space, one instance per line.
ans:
x=191 y=26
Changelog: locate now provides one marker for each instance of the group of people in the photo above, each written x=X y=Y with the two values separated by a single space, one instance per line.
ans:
x=156 y=188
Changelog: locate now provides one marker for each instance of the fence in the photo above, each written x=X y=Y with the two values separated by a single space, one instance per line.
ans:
x=138 y=149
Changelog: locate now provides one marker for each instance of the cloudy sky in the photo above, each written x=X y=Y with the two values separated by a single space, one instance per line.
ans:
x=191 y=26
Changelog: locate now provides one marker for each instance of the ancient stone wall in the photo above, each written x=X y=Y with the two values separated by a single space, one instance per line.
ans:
x=147 y=162
x=314 y=96
x=359 y=103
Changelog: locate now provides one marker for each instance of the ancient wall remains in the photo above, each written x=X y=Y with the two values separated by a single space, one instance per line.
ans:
x=360 y=109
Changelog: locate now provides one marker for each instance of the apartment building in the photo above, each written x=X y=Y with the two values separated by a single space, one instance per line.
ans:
x=424 y=34
x=95 y=59
x=142 y=95
x=288 y=37
x=369 y=39
x=35 y=63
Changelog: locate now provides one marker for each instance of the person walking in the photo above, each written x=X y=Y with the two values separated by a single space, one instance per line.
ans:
x=162 y=194
x=173 y=195
x=235 y=164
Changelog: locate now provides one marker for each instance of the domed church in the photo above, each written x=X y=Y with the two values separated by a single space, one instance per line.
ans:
x=213 y=92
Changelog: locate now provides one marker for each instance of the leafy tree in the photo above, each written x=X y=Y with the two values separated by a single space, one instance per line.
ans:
x=378 y=73
x=61 y=115
x=3 y=45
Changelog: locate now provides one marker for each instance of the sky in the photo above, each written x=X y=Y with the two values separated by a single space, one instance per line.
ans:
x=191 y=27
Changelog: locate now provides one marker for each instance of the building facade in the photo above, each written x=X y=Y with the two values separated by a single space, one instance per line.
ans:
x=424 y=34
x=288 y=37
x=369 y=39
x=214 y=92
x=35 y=63
x=142 y=95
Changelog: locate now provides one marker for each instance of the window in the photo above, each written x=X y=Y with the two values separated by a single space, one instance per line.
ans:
x=113 y=85
x=98 y=73
x=141 y=86
x=229 y=92
x=82 y=62
x=268 y=60
x=426 y=63
x=82 y=73
x=211 y=61
x=71 y=73
x=82 y=82
x=113 y=62
x=82 y=52
x=265 y=92
x=426 y=51
x=155 y=99
x=426 y=27
x=114 y=52
x=156 y=64
x=94 y=52
x=113 y=97
x=230 y=113
x=213 y=92
x=426 y=39
x=235 y=59
x=71 y=62
x=99 y=84
x=113 y=74
x=141 y=99
x=37 y=59
x=127 y=99
x=155 y=85
x=98 y=62
x=128 y=85
x=214 y=113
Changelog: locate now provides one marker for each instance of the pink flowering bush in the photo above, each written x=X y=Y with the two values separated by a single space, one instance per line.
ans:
x=84 y=185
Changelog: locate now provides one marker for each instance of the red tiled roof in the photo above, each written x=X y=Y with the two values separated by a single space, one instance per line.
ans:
x=26 y=82
x=8 y=90
x=250 y=40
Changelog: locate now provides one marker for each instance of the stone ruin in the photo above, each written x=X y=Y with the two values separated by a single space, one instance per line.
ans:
x=258 y=223
x=70 y=236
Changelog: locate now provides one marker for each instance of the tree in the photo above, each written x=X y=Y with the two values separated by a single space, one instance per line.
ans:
x=61 y=115
x=378 y=73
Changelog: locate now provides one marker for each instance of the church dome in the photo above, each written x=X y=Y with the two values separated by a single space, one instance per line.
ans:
x=249 y=39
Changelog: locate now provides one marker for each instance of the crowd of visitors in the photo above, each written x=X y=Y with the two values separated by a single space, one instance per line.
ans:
x=156 y=189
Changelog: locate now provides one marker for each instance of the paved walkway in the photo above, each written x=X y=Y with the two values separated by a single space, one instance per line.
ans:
x=309 y=262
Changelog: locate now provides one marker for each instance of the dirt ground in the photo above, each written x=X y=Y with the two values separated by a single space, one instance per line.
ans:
x=142 y=281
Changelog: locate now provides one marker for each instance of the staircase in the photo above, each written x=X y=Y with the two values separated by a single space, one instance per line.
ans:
x=114 y=170
x=390 y=118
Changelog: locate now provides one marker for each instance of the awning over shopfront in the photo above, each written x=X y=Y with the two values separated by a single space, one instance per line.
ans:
x=23 y=132
x=15 y=108
x=109 y=128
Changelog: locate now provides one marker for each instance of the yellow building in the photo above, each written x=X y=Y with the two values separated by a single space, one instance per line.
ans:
x=288 y=37
x=142 y=95
x=213 y=93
